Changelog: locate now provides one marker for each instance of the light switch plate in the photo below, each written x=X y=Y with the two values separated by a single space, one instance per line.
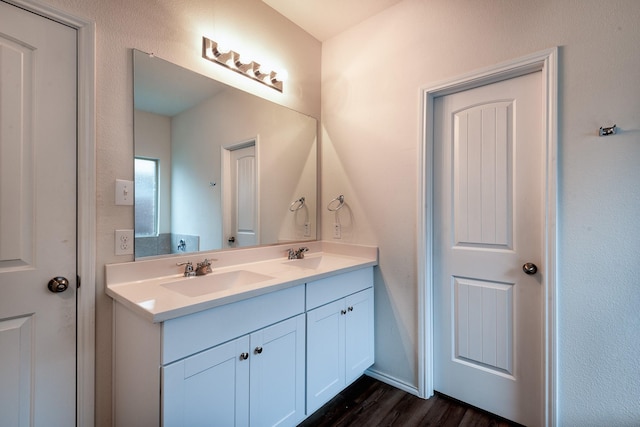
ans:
x=124 y=192
x=124 y=242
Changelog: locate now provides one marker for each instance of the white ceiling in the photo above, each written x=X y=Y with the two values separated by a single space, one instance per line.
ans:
x=324 y=19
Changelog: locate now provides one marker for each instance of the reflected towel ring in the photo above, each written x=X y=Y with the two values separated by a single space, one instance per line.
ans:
x=606 y=131
x=340 y=200
x=293 y=207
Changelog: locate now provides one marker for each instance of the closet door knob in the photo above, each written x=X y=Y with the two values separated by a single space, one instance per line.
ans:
x=530 y=268
x=58 y=284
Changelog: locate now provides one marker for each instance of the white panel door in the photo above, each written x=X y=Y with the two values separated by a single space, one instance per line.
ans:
x=244 y=196
x=488 y=222
x=37 y=219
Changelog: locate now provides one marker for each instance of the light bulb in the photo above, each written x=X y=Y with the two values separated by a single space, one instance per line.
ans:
x=222 y=48
x=282 y=75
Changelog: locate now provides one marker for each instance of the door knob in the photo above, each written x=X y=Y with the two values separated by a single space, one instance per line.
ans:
x=530 y=268
x=258 y=350
x=58 y=284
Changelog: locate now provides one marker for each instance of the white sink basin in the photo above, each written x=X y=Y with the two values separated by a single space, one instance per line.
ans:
x=202 y=285
x=315 y=263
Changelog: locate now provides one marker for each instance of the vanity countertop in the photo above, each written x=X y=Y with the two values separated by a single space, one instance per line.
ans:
x=157 y=289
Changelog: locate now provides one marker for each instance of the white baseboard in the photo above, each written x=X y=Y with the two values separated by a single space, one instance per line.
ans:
x=402 y=385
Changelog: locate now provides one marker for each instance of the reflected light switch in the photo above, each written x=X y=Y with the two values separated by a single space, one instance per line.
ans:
x=124 y=192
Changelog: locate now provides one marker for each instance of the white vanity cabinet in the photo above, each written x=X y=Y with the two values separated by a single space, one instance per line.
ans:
x=268 y=357
x=340 y=339
x=239 y=364
x=255 y=380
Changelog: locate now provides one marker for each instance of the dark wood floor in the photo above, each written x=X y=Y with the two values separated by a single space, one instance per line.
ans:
x=368 y=402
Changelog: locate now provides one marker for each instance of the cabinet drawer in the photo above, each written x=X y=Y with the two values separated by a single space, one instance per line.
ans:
x=324 y=291
x=184 y=336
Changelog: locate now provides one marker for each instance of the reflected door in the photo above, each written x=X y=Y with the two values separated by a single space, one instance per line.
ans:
x=243 y=191
x=37 y=220
x=488 y=223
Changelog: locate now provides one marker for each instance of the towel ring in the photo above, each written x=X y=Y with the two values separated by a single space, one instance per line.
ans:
x=340 y=200
x=293 y=207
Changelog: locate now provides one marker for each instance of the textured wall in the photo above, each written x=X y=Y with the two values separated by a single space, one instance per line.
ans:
x=172 y=29
x=371 y=109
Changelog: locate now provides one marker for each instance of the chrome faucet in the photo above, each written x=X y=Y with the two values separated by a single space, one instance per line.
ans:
x=188 y=268
x=203 y=268
x=299 y=254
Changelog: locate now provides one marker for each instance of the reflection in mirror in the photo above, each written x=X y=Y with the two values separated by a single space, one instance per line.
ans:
x=217 y=167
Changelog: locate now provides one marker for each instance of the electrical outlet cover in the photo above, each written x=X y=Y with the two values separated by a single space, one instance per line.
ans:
x=337 y=232
x=124 y=242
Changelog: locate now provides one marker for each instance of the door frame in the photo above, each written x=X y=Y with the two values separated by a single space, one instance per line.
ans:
x=225 y=168
x=86 y=203
x=545 y=61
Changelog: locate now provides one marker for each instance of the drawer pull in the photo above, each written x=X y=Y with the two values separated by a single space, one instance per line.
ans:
x=343 y=312
x=350 y=308
x=258 y=350
x=244 y=356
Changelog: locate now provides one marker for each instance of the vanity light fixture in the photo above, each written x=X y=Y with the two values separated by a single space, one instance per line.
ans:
x=213 y=52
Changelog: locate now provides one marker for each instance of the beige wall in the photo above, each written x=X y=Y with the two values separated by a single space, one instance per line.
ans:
x=371 y=111
x=172 y=30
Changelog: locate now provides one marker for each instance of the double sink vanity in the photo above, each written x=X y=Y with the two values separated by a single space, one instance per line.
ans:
x=262 y=340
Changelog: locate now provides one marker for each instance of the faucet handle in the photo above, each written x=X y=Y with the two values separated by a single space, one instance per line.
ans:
x=204 y=267
x=188 y=269
x=300 y=252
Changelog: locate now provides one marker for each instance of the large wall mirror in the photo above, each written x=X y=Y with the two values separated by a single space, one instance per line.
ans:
x=217 y=167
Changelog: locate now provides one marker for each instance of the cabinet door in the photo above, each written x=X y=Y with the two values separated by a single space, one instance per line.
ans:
x=359 y=347
x=208 y=388
x=277 y=374
x=325 y=353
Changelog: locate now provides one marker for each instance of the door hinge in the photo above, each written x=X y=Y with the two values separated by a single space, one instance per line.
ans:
x=77 y=281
